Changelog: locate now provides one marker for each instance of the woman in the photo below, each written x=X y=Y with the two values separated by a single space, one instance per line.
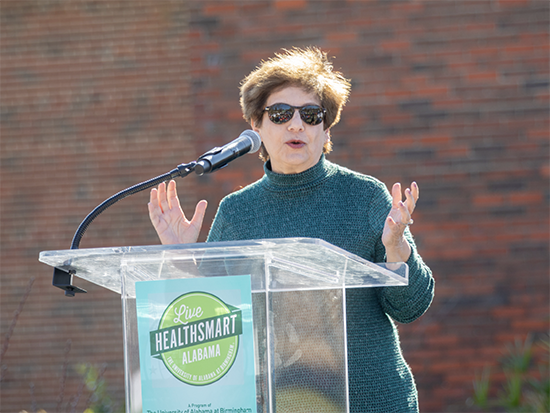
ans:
x=292 y=101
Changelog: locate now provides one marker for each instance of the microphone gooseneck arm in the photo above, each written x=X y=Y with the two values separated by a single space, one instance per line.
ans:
x=63 y=275
x=216 y=158
x=181 y=171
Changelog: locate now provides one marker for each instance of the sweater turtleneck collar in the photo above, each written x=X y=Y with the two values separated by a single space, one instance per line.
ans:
x=300 y=181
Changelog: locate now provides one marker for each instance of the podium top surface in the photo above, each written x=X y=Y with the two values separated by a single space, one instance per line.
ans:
x=274 y=264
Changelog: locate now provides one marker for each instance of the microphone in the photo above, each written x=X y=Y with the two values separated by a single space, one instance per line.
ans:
x=217 y=158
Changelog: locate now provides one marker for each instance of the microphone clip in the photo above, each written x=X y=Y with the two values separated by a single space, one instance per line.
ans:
x=204 y=163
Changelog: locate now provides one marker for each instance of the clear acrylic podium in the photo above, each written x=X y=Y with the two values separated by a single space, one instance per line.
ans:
x=298 y=295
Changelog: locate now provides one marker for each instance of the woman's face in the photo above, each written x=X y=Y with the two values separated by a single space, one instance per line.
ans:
x=294 y=146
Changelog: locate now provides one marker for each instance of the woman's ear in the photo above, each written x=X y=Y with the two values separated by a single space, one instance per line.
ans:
x=327 y=135
x=253 y=125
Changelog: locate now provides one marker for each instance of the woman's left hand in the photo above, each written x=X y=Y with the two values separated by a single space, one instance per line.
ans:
x=400 y=216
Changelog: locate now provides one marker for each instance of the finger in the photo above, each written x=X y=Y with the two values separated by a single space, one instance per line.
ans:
x=155 y=211
x=410 y=202
x=153 y=204
x=198 y=216
x=172 y=195
x=153 y=197
x=412 y=194
x=405 y=213
x=415 y=191
x=396 y=194
x=162 y=200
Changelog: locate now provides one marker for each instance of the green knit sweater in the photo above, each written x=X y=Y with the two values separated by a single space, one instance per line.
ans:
x=346 y=209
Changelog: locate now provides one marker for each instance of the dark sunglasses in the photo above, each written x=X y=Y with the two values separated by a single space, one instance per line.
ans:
x=280 y=113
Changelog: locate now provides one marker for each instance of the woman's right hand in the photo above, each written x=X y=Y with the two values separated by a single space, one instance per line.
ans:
x=168 y=218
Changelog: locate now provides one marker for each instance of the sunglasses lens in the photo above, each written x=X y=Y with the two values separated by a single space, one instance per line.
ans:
x=280 y=113
x=312 y=115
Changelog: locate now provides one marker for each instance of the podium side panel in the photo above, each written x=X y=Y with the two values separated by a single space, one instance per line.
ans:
x=132 y=376
x=308 y=351
x=260 y=351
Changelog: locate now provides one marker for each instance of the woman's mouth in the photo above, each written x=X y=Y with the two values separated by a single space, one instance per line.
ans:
x=295 y=144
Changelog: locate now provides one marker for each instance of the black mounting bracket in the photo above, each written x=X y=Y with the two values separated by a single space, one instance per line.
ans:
x=63 y=278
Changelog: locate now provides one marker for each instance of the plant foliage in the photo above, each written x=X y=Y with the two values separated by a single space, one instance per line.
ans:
x=527 y=381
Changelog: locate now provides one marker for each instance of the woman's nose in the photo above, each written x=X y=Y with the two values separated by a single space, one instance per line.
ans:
x=296 y=122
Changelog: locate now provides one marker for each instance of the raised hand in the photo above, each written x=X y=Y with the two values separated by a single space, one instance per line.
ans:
x=168 y=218
x=400 y=216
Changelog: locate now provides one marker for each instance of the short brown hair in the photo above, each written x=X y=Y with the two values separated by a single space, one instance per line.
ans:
x=308 y=69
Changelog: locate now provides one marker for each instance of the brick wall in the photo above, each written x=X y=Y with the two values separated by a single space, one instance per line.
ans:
x=97 y=96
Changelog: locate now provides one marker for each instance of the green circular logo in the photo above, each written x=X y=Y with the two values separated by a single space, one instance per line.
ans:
x=198 y=338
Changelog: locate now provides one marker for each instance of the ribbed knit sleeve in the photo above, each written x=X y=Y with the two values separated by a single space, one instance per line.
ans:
x=403 y=304
x=406 y=304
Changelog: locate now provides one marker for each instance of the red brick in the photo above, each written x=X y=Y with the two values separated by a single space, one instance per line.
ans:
x=290 y=4
x=479 y=77
x=513 y=3
x=526 y=198
x=545 y=170
x=395 y=45
x=488 y=199
x=341 y=37
x=520 y=49
x=408 y=7
x=397 y=93
x=219 y=9
x=396 y=117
